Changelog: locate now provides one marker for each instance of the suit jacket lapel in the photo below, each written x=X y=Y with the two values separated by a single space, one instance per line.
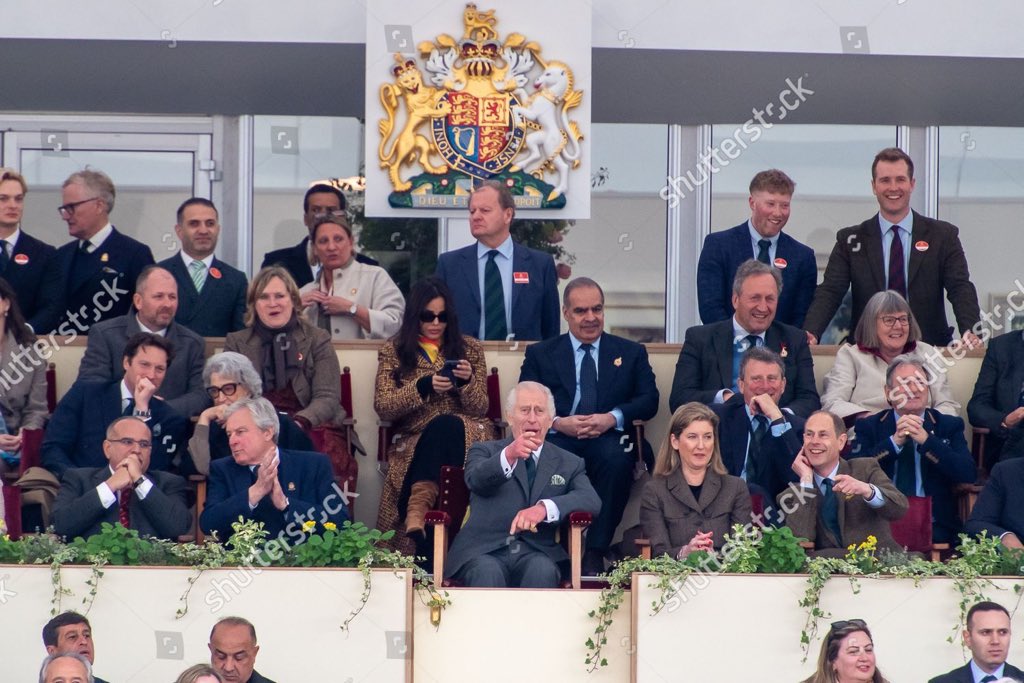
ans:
x=721 y=342
x=920 y=232
x=565 y=362
x=520 y=263
x=605 y=366
x=472 y=275
x=681 y=490
x=872 y=236
x=709 y=491
x=547 y=464
x=187 y=289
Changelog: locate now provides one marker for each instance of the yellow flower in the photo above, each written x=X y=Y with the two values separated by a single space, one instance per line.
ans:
x=308 y=526
x=330 y=526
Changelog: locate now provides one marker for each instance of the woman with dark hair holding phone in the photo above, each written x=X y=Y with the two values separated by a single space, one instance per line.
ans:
x=432 y=387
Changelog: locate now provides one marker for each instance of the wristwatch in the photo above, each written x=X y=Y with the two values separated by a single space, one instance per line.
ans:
x=138 y=482
x=353 y=308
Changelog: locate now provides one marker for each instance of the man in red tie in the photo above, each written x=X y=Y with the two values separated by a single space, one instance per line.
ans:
x=901 y=250
x=124 y=491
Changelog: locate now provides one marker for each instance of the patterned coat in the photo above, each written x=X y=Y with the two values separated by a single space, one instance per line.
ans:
x=410 y=414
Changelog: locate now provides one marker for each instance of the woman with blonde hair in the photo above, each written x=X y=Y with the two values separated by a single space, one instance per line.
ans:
x=847 y=655
x=200 y=673
x=691 y=501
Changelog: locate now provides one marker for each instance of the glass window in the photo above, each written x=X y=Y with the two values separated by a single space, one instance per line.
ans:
x=831 y=166
x=622 y=245
x=981 y=190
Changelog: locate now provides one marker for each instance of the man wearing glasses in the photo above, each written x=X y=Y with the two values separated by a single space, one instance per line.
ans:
x=100 y=265
x=321 y=199
x=153 y=503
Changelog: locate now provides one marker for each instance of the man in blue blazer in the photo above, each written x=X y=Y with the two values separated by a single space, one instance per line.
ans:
x=74 y=437
x=154 y=502
x=27 y=263
x=319 y=200
x=601 y=383
x=760 y=238
x=923 y=451
x=283 y=489
x=217 y=305
x=517 y=285
x=998 y=399
x=100 y=266
x=520 y=489
x=155 y=301
x=708 y=367
x=759 y=440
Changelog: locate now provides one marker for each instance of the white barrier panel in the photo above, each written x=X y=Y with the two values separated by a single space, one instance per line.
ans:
x=514 y=636
x=747 y=628
x=297 y=614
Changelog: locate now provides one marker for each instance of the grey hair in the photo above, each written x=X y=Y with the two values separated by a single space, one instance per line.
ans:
x=71 y=655
x=579 y=283
x=237 y=367
x=881 y=303
x=112 y=427
x=510 y=399
x=752 y=267
x=263 y=413
x=763 y=355
x=907 y=359
x=96 y=181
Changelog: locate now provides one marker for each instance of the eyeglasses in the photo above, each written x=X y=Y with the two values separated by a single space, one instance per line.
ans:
x=430 y=316
x=228 y=389
x=68 y=210
x=893 y=320
x=857 y=623
x=129 y=442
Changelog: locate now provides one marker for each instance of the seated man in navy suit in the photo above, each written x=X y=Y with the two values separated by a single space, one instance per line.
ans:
x=502 y=289
x=601 y=383
x=75 y=435
x=100 y=266
x=152 y=503
x=320 y=200
x=998 y=399
x=211 y=293
x=280 y=488
x=761 y=238
x=708 y=367
x=759 y=440
x=154 y=304
x=27 y=263
x=520 y=488
x=921 y=450
x=999 y=511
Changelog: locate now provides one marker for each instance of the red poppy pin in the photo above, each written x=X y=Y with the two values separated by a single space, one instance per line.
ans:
x=215 y=272
x=780 y=263
x=21 y=259
x=921 y=245
x=784 y=351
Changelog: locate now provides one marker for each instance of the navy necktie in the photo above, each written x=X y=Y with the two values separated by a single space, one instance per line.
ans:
x=906 y=476
x=4 y=258
x=588 y=382
x=830 y=510
x=989 y=679
x=758 y=430
x=897 y=276
x=495 y=326
x=740 y=347
x=531 y=472
x=762 y=251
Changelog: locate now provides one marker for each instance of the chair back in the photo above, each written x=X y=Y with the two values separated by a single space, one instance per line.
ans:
x=346 y=391
x=51 y=387
x=31 y=449
x=494 y=396
x=12 y=510
x=913 y=530
x=453 y=497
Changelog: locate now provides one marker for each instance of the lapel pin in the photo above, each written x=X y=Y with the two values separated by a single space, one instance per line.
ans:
x=21 y=259
x=291 y=486
x=617 y=362
x=780 y=263
x=215 y=272
x=104 y=257
x=921 y=245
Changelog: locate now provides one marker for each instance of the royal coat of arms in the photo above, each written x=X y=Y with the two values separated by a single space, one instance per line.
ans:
x=486 y=109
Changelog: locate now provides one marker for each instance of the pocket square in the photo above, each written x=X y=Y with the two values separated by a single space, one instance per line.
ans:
x=557 y=480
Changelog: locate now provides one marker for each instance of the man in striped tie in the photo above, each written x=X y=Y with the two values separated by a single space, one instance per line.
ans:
x=502 y=290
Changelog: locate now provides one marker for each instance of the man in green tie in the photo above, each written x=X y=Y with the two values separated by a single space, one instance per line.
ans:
x=838 y=503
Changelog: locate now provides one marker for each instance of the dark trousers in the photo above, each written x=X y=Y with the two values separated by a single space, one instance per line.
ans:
x=610 y=459
x=515 y=565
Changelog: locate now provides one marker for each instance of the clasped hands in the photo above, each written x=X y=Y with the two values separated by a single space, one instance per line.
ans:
x=585 y=426
x=522 y=448
x=126 y=473
x=909 y=427
x=268 y=483
x=329 y=305
x=702 y=540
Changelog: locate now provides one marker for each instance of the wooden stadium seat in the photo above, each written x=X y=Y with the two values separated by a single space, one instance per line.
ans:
x=913 y=530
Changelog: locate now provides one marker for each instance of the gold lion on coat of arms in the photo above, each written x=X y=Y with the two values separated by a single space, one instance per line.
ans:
x=422 y=103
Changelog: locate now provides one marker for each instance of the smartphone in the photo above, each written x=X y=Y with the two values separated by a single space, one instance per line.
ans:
x=449 y=369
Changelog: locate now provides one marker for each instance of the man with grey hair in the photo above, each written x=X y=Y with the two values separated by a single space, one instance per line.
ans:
x=708 y=367
x=923 y=451
x=520 y=488
x=280 y=488
x=66 y=667
x=100 y=265
x=501 y=289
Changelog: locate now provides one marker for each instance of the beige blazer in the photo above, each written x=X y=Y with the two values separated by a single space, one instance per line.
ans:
x=368 y=286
